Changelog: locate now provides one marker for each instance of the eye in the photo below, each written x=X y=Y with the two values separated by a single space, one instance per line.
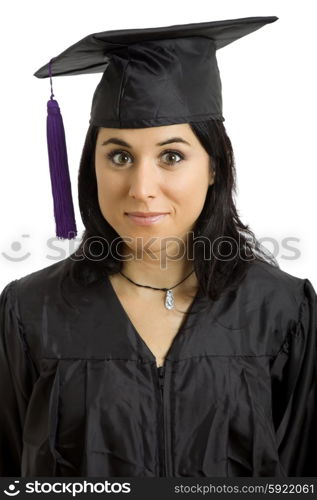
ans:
x=172 y=154
x=123 y=155
x=120 y=153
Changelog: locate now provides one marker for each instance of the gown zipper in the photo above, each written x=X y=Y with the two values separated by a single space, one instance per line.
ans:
x=162 y=461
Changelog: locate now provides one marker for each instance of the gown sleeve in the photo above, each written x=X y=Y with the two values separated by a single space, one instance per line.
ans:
x=294 y=391
x=17 y=374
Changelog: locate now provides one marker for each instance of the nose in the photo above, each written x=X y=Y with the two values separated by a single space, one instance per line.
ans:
x=144 y=180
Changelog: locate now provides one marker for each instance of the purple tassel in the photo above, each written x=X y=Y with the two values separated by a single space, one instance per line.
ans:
x=59 y=172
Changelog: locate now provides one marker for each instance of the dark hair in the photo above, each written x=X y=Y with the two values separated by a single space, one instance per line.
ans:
x=218 y=221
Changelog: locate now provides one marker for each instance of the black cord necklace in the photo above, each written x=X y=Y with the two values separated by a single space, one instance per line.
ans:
x=169 y=297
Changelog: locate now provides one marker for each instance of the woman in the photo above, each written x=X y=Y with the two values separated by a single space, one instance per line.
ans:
x=168 y=344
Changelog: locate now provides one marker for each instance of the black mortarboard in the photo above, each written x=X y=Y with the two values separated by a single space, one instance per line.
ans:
x=151 y=77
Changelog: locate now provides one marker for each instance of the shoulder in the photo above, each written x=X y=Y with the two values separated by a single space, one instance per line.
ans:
x=43 y=280
x=265 y=281
x=267 y=297
x=29 y=291
x=279 y=294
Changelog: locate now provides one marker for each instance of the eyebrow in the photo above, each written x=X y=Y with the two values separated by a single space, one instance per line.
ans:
x=120 y=142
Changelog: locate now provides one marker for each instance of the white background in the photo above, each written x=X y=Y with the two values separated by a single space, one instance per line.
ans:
x=269 y=96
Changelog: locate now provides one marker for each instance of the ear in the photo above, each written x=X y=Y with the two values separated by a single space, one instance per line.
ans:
x=212 y=174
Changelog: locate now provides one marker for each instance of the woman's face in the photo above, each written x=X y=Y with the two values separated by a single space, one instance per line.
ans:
x=157 y=169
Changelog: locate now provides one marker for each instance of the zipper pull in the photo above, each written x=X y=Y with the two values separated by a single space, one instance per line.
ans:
x=160 y=370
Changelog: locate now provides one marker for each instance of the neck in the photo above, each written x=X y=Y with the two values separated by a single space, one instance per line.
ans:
x=157 y=271
x=152 y=274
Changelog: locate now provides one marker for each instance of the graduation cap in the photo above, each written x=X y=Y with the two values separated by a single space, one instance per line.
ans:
x=151 y=77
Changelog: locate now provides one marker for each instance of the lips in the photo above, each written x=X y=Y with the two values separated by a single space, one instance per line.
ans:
x=146 y=214
x=146 y=218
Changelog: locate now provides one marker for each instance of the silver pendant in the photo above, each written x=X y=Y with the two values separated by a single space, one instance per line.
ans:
x=169 y=300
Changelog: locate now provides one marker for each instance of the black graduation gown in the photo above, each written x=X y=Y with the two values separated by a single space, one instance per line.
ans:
x=81 y=392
